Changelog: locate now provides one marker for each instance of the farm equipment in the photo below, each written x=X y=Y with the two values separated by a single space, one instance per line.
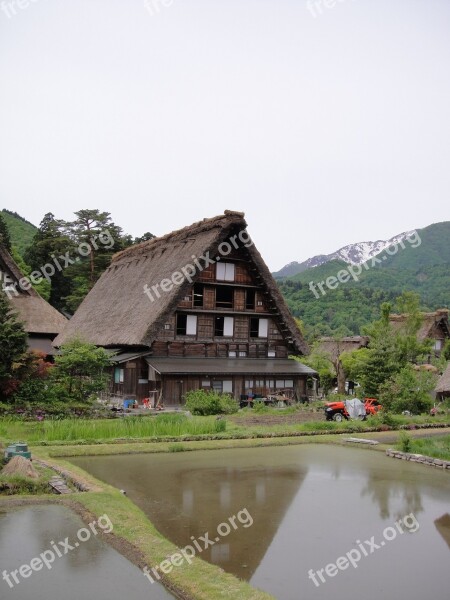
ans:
x=351 y=409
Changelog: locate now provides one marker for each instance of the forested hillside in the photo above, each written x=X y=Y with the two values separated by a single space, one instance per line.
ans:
x=424 y=269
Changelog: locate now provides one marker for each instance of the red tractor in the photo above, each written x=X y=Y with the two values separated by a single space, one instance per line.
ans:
x=350 y=409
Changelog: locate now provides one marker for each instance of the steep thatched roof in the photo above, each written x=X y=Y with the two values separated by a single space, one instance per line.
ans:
x=116 y=312
x=334 y=348
x=430 y=320
x=36 y=313
x=443 y=384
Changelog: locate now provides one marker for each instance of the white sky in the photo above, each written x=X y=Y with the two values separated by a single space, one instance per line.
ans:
x=324 y=130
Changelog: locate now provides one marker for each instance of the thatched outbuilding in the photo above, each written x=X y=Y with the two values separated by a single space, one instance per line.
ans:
x=196 y=308
x=41 y=321
x=443 y=386
x=435 y=326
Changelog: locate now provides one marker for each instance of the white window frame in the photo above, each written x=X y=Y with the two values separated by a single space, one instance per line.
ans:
x=227 y=386
x=263 y=328
x=191 y=325
x=228 y=326
x=225 y=271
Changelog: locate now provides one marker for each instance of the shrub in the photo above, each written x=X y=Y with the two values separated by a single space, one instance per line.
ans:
x=260 y=407
x=202 y=402
x=405 y=442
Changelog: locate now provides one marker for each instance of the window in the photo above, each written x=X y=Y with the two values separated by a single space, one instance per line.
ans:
x=223 y=326
x=248 y=384
x=232 y=354
x=225 y=272
x=119 y=375
x=271 y=354
x=250 y=299
x=198 y=294
x=242 y=353
x=206 y=383
x=224 y=297
x=284 y=383
x=259 y=327
x=186 y=324
x=259 y=383
x=438 y=344
x=223 y=387
x=167 y=326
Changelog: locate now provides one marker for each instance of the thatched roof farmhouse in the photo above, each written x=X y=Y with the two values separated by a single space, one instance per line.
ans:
x=195 y=308
x=41 y=321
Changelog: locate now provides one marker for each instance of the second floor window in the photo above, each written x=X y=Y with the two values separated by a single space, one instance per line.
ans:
x=186 y=324
x=198 y=294
x=259 y=327
x=224 y=327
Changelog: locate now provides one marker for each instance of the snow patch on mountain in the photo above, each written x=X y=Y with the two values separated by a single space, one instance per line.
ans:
x=353 y=254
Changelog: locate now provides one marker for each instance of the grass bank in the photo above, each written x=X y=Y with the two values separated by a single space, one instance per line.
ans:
x=71 y=430
x=437 y=447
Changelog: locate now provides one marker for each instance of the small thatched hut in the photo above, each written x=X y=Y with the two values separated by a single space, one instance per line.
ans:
x=435 y=326
x=443 y=386
x=197 y=308
x=41 y=321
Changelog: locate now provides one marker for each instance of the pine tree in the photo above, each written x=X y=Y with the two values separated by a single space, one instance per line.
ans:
x=13 y=348
x=5 y=239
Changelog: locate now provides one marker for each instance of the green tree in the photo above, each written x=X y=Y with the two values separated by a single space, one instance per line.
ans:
x=96 y=238
x=5 y=239
x=409 y=389
x=79 y=370
x=13 y=349
x=50 y=242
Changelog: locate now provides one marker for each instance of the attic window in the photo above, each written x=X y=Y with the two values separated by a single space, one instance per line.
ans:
x=167 y=326
x=225 y=271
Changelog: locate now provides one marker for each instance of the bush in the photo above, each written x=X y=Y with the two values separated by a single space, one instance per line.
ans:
x=204 y=403
x=408 y=390
x=260 y=407
x=405 y=442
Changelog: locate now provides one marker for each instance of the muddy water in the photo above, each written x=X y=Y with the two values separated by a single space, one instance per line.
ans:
x=92 y=570
x=309 y=505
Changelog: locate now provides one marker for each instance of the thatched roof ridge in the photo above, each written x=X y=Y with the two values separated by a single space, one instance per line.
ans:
x=36 y=313
x=430 y=319
x=229 y=217
x=443 y=385
x=116 y=312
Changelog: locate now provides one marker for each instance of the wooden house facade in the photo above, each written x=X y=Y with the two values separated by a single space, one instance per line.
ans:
x=195 y=309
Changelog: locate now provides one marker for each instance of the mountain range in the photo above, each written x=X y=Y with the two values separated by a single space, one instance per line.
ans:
x=420 y=263
x=353 y=254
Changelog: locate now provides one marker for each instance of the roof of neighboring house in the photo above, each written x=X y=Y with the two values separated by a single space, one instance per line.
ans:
x=431 y=319
x=443 y=385
x=335 y=347
x=116 y=312
x=229 y=366
x=36 y=313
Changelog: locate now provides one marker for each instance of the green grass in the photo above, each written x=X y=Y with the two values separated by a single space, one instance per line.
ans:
x=169 y=425
x=437 y=447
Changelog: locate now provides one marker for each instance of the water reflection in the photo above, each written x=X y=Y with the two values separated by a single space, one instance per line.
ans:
x=309 y=504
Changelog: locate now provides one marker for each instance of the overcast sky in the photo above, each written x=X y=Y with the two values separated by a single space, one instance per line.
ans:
x=326 y=126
